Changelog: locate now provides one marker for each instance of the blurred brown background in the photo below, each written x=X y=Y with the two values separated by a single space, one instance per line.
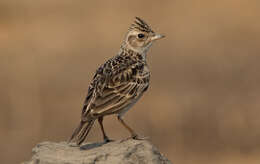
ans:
x=203 y=103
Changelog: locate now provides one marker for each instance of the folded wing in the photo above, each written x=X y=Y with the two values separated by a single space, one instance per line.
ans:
x=110 y=93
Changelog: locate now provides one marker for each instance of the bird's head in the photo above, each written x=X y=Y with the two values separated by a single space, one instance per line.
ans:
x=140 y=36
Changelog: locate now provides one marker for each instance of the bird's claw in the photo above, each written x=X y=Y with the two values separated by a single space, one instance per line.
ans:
x=106 y=140
x=135 y=137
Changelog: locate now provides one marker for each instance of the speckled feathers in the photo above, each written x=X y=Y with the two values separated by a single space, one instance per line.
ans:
x=118 y=83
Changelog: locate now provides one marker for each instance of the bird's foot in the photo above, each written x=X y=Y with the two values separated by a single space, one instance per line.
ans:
x=135 y=137
x=106 y=140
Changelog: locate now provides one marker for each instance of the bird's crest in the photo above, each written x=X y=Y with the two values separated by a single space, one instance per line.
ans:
x=141 y=25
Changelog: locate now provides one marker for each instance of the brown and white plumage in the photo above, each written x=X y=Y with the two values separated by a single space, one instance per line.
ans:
x=118 y=83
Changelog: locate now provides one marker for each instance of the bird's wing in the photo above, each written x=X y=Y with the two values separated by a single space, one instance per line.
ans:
x=113 y=90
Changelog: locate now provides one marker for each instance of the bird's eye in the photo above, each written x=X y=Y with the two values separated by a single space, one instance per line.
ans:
x=140 y=35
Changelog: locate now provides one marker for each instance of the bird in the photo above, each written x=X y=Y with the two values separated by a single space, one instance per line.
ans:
x=118 y=83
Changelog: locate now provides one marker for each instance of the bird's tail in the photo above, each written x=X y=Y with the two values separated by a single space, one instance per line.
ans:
x=81 y=131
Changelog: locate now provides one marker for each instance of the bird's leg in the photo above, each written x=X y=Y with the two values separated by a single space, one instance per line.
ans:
x=106 y=139
x=133 y=134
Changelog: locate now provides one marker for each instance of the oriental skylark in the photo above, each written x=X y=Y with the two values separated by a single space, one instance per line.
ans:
x=119 y=83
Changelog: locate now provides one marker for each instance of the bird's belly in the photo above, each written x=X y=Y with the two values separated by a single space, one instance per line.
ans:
x=126 y=108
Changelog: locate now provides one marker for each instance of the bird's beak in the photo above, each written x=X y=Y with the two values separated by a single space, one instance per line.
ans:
x=157 y=36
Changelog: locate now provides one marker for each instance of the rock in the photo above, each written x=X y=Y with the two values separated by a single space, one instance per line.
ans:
x=117 y=152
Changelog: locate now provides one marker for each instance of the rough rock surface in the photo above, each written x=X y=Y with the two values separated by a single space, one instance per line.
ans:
x=117 y=152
